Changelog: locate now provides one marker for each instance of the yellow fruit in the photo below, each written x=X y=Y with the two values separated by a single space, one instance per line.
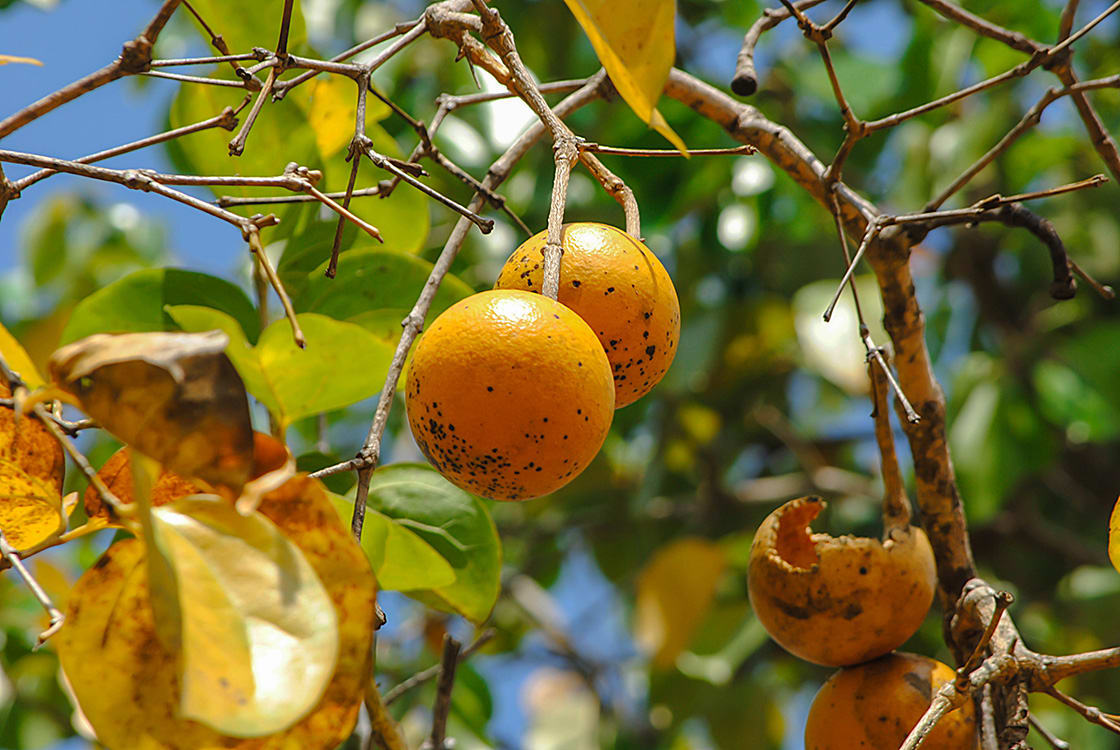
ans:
x=837 y=601
x=875 y=705
x=509 y=394
x=623 y=292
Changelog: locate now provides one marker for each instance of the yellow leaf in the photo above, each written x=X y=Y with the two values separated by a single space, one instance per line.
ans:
x=175 y=397
x=5 y=59
x=1114 y=536
x=635 y=42
x=127 y=683
x=30 y=509
x=331 y=104
x=17 y=358
x=674 y=591
x=259 y=635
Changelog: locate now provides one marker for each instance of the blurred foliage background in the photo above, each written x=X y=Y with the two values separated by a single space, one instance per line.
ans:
x=623 y=620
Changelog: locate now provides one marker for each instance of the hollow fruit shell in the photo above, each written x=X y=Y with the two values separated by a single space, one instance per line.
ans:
x=837 y=601
x=875 y=705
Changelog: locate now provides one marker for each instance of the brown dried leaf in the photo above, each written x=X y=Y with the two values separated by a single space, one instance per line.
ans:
x=269 y=455
x=117 y=476
x=128 y=684
x=175 y=397
x=29 y=444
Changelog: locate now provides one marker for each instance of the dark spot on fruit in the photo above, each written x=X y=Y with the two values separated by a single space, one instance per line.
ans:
x=863 y=571
x=490 y=388
x=650 y=350
x=575 y=283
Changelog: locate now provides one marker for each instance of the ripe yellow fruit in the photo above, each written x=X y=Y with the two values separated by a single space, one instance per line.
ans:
x=837 y=601
x=875 y=705
x=509 y=394
x=623 y=292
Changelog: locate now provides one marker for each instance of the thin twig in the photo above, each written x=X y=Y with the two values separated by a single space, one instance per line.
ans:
x=237 y=143
x=181 y=78
x=745 y=81
x=444 y=686
x=114 y=503
x=225 y=120
x=431 y=672
x=226 y=201
x=1092 y=714
x=1052 y=739
x=57 y=618
x=896 y=506
x=1003 y=600
x=173 y=62
x=597 y=148
x=253 y=237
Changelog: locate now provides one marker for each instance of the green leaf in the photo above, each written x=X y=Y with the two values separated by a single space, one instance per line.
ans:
x=309 y=247
x=401 y=560
x=370 y=281
x=136 y=303
x=259 y=632
x=248 y=25
x=455 y=523
x=342 y=364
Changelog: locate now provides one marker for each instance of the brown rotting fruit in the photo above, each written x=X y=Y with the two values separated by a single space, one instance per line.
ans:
x=838 y=601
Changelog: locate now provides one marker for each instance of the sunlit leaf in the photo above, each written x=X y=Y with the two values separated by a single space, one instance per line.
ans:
x=401 y=559
x=173 y=396
x=127 y=683
x=259 y=635
x=636 y=43
x=18 y=360
x=457 y=525
x=834 y=349
x=30 y=509
x=674 y=591
x=136 y=303
x=342 y=364
x=331 y=103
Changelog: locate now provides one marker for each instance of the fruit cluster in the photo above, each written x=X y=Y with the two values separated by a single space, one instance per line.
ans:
x=510 y=394
x=849 y=602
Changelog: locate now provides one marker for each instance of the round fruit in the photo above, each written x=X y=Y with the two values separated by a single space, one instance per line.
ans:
x=623 y=292
x=837 y=601
x=509 y=394
x=875 y=705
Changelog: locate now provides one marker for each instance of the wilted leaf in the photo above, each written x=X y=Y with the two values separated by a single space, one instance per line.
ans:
x=30 y=509
x=342 y=364
x=635 y=42
x=401 y=560
x=127 y=683
x=5 y=59
x=17 y=359
x=175 y=397
x=456 y=524
x=136 y=303
x=674 y=591
x=116 y=473
x=30 y=445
